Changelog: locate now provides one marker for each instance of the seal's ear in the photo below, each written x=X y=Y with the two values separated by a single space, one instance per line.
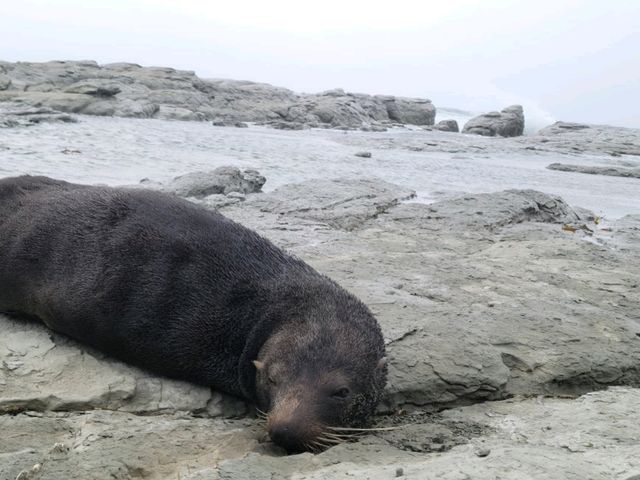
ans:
x=382 y=362
x=259 y=365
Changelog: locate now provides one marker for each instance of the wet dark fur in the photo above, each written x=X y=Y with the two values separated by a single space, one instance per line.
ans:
x=183 y=291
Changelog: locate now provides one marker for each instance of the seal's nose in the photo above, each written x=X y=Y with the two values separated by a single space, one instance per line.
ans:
x=284 y=435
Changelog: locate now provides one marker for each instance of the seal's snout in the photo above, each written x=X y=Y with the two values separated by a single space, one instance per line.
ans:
x=290 y=424
x=288 y=436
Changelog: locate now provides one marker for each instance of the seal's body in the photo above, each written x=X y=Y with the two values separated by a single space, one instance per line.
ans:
x=185 y=292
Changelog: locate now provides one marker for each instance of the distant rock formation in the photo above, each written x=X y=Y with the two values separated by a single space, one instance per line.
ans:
x=507 y=123
x=579 y=137
x=446 y=126
x=563 y=127
x=130 y=90
x=594 y=170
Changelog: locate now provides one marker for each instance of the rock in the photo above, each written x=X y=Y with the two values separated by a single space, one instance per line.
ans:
x=609 y=171
x=447 y=126
x=287 y=125
x=482 y=452
x=555 y=439
x=473 y=267
x=222 y=180
x=507 y=123
x=363 y=154
x=106 y=445
x=220 y=122
x=563 y=127
x=137 y=109
x=129 y=90
x=179 y=113
x=44 y=371
x=373 y=128
x=575 y=138
x=336 y=92
x=5 y=82
x=413 y=111
x=626 y=236
x=98 y=89
x=493 y=210
x=16 y=115
x=343 y=204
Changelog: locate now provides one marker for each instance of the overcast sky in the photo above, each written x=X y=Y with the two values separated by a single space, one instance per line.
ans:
x=564 y=60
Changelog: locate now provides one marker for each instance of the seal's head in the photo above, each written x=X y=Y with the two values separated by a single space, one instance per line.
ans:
x=318 y=376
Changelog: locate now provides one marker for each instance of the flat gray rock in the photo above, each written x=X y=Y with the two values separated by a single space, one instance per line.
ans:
x=344 y=204
x=222 y=180
x=211 y=187
x=595 y=170
x=491 y=210
x=577 y=138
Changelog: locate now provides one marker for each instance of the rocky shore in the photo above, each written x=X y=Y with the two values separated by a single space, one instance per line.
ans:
x=514 y=297
x=509 y=311
x=130 y=90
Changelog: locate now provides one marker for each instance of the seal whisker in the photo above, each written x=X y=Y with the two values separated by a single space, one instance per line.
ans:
x=315 y=447
x=336 y=435
x=321 y=443
x=340 y=438
x=372 y=429
x=330 y=441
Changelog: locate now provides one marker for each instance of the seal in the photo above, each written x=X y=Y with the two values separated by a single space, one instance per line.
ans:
x=185 y=292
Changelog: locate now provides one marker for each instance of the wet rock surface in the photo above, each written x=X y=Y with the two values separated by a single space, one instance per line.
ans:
x=130 y=90
x=480 y=297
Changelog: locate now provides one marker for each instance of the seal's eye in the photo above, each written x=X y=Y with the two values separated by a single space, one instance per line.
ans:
x=341 y=393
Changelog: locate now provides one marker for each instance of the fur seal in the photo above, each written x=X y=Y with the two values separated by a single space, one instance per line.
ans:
x=185 y=292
